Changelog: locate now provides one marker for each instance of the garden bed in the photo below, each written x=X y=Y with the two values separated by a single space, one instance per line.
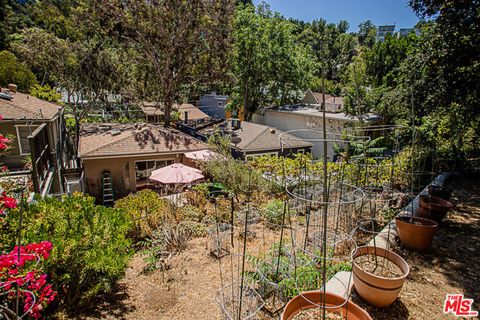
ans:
x=449 y=267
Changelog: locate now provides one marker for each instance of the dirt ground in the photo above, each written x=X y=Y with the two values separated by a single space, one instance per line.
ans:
x=188 y=290
x=451 y=266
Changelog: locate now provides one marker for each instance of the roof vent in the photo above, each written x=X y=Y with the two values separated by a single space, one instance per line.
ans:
x=6 y=96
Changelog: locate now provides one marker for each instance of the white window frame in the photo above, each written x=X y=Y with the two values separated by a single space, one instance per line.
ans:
x=17 y=131
x=152 y=160
x=256 y=155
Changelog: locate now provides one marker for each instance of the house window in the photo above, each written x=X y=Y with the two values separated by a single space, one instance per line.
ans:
x=143 y=169
x=220 y=103
x=23 y=131
x=255 y=155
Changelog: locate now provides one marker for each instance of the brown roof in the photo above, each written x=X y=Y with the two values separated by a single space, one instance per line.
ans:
x=151 y=108
x=193 y=112
x=257 y=137
x=335 y=100
x=26 y=106
x=111 y=140
x=319 y=98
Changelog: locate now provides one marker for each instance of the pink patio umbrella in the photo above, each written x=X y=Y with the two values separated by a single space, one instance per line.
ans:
x=176 y=173
x=201 y=155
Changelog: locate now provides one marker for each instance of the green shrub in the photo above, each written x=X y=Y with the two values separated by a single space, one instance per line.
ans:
x=272 y=212
x=90 y=245
x=147 y=211
x=45 y=93
x=13 y=71
x=192 y=213
x=195 y=229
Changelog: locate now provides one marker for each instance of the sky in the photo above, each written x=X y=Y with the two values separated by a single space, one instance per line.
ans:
x=380 y=12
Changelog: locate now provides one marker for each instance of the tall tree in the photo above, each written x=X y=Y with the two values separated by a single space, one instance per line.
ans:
x=87 y=70
x=178 y=43
x=367 y=33
x=270 y=65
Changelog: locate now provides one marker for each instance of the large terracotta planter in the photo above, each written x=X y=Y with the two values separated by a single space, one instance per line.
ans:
x=377 y=290
x=416 y=233
x=434 y=208
x=313 y=299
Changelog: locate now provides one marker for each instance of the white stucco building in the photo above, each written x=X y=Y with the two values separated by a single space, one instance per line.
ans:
x=309 y=117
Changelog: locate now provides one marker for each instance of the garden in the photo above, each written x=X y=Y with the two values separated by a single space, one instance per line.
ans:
x=261 y=239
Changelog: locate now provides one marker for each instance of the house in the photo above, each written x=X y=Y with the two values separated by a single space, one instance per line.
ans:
x=39 y=139
x=383 y=31
x=250 y=139
x=154 y=114
x=128 y=153
x=332 y=103
x=213 y=104
x=406 y=31
x=307 y=120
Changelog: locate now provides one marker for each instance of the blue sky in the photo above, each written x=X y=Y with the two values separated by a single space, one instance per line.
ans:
x=380 y=12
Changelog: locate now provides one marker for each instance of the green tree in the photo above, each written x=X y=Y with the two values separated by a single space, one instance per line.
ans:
x=88 y=70
x=383 y=59
x=367 y=33
x=176 y=44
x=13 y=71
x=270 y=65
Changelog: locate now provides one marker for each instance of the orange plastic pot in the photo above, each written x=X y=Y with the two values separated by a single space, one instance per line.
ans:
x=416 y=233
x=377 y=290
x=314 y=299
x=434 y=208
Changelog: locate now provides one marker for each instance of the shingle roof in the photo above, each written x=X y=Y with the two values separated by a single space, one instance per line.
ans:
x=133 y=139
x=26 y=106
x=256 y=137
x=319 y=98
x=150 y=108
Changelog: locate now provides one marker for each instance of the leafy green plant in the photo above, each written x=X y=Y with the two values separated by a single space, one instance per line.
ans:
x=191 y=213
x=147 y=210
x=272 y=212
x=290 y=272
x=195 y=229
x=45 y=92
x=90 y=245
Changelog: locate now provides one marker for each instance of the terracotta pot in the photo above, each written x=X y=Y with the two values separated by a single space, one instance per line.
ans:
x=434 y=208
x=377 y=290
x=313 y=299
x=416 y=233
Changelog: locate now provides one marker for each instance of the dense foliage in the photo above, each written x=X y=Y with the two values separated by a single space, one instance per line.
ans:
x=147 y=211
x=90 y=247
x=270 y=64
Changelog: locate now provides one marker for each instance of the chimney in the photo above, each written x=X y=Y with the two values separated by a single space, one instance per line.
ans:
x=12 y=88
x=185 y=117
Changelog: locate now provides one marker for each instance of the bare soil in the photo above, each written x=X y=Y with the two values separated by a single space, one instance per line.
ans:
x=450 y=266
x=379 y=266
x=188 y=289
x=317 y=313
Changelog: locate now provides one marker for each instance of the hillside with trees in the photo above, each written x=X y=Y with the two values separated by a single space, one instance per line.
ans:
x=96 y=49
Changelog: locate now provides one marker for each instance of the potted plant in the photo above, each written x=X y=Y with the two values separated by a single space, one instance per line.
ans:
x=333 y=303
x=378 y=275
x=415 y=232
x=433 y=207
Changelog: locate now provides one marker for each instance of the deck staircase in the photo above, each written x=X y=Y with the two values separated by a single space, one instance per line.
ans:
x=107 y=189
